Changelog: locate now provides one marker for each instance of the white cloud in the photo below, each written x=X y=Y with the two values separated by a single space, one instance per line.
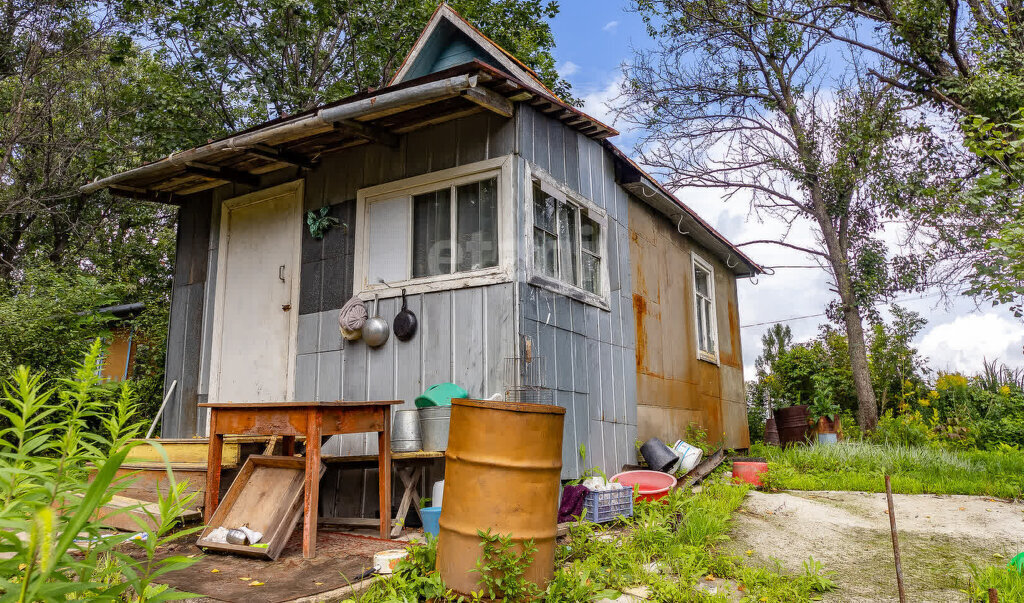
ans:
x=963 y=343
x=568 y=68
x=597 y=102
x=610 y=26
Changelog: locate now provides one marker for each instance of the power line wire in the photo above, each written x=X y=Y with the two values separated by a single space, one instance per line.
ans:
x=772 y=322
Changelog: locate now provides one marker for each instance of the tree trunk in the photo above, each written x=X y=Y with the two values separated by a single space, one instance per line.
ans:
x=867 y=411
x=834 y=238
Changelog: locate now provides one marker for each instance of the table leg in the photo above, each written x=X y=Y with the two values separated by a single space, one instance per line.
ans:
x=384 y=472
x=288 y=445
x=410 y=476
x=213 y=462
x=314 y=423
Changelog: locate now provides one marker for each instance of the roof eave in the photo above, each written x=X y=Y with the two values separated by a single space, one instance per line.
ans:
x=635 y=180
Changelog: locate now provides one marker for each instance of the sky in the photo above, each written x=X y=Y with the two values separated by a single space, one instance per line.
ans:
x=594 y=38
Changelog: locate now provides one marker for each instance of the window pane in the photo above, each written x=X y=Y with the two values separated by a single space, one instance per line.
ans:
x=701 y=327
x=567 y=246
x=709 y=309
x=477 y=225
x=701 y=278
x=591 y=273
x=431 y=233
x=543 y=210
x=590 y=234
x=545 y=250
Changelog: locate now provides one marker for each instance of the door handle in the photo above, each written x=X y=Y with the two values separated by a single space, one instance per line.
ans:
x=280 y=272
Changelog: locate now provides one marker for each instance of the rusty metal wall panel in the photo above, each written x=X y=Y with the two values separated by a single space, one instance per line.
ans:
x=674 y=387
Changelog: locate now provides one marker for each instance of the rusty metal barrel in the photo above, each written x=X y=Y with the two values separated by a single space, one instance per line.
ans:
x=502 y=471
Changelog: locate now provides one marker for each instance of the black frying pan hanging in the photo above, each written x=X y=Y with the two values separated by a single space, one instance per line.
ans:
x=405 y=323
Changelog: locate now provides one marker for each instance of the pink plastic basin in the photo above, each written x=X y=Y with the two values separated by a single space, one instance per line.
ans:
x=652 y=485
x=749 y=472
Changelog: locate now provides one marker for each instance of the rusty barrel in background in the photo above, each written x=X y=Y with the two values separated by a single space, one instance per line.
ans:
x=793 y=423
x=502 y=471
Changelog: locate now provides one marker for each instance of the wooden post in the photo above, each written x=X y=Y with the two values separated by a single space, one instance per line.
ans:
x=993 y=596
x=288 y=445
x=314 y=423
x=895 y=541
x=384 y=471
x=213 y=462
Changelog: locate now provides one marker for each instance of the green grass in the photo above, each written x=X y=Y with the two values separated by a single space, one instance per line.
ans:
x=666 y=547
x=915 y=470
x=1008 y=582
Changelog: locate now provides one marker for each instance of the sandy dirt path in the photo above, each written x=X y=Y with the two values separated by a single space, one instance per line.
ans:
x=848 y=532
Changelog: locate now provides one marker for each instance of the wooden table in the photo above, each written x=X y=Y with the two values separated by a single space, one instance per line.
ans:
x=311 y=420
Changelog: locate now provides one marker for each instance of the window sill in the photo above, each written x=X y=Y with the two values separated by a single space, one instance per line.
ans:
x=431 y=284
x=709 y=358
x=580 y=295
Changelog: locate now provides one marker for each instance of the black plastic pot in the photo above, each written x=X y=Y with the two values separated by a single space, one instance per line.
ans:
x=659 y=457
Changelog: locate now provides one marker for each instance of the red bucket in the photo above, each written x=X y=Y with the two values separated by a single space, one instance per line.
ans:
x=749 y=472
x=652 y=485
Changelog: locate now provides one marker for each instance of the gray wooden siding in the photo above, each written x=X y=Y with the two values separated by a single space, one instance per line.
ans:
x=590 y=351
x=464 y=335
x=184 y=336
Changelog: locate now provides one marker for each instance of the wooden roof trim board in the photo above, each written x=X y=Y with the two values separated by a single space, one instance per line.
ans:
x=517 y=69
x=443 y=12
x=274 y=145
x=634 y=179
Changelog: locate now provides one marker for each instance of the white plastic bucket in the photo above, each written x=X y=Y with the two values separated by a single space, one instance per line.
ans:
x=437 y=493
x=689 y=456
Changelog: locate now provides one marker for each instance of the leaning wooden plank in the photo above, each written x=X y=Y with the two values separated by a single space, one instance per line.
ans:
x=702 y=470
x=121 y=513
x=267 y=496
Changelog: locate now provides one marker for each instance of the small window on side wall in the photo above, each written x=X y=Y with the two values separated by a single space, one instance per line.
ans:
x=704 y=306
x=567 y=241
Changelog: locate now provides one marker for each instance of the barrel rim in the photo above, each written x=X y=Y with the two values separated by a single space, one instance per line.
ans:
x=550 y=409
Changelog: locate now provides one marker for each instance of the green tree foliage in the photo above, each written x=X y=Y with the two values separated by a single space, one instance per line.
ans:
x=790 y=373
x=90 y=89
x=964 y=59
x=261 y=60
x=734 y=100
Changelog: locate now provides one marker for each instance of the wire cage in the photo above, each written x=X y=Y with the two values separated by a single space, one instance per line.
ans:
x=526 y=381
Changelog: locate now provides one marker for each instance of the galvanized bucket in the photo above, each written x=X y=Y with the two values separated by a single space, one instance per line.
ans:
x=405 y=432
x=434 y=427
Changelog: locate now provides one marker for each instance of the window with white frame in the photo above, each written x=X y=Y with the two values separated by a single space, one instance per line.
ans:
x=567 y=239
x=446 y=226
x=704 y=304
x=473 y=217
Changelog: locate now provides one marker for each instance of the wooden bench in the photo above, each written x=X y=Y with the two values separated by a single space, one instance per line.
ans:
x=408 y=465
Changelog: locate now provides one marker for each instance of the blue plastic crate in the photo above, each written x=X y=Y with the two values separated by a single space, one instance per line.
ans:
x=605 y=505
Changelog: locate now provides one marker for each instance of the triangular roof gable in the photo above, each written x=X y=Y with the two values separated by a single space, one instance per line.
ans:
x=449 y=40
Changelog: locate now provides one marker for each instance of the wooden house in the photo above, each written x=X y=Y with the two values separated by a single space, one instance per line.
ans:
x=511 y=221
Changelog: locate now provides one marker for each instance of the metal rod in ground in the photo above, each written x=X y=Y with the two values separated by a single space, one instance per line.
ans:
x=895 y=541
x=993 y=596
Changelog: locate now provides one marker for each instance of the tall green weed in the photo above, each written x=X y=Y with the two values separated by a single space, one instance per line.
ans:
x=52 y=546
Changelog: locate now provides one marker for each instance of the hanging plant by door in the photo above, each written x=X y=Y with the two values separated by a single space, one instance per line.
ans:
x=319 y=222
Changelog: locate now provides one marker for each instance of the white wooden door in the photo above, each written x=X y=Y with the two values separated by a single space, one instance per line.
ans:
x=256 y=302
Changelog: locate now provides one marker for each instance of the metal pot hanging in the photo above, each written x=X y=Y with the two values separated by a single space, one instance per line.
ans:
x=376 y=329
x=405 y=322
